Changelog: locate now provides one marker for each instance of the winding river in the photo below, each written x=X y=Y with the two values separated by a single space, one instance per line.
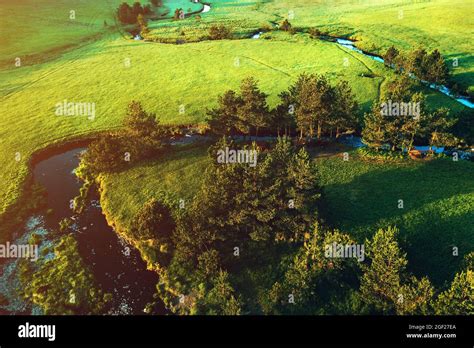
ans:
x=440 y=88
x=349 y=44
x=116 y=266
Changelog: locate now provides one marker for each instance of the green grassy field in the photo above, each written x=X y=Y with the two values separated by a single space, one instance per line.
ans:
x=442 y=24
x=437 y=214
x=432 y=24
x=164 y=76
x=37 y=29
x=177 y=174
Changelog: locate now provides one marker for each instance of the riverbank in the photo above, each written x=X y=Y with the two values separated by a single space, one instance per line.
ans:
x=15 y=216
x=116 y=266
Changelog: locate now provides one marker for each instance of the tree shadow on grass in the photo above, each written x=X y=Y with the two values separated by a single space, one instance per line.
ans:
x=437 y=212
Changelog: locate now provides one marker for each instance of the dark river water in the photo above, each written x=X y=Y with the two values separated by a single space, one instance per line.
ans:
x=117 y=266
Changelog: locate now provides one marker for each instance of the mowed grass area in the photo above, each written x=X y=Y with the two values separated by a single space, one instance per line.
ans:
x=163 y=77
x=438 y=206
x=360 y=196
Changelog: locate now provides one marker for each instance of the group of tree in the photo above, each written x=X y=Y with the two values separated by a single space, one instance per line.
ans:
x=240 y=212
x=316 y=284
x=63 y=285
x=425 y=66
x=219 y=32
x=402 y=131
x=140 y=139
x=313 y=106
x=127 y=14
x=252 y=242
x=319 y=105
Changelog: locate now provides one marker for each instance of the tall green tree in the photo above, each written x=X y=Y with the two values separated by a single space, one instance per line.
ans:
x=459 y=298
x=220 y=299
x=437 y=70
x=344 y=115
x=374 y=132
x=254 y=109
x=314 y=283
x=390 y=56
x=284 y=114
x=385 y=284
x=140 y=122
x=416 y=63
x=381 y=282
x=223 y=119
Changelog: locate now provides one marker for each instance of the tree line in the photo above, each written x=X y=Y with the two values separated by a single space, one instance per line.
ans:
x=425 y=66
x=311 y=106
x=127 y=14
x=402 y=131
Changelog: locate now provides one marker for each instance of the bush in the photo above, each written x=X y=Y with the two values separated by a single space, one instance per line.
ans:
x=113 y=152
x=153 y=221
x=315 y=33
x=285 y=25
x=219 y=32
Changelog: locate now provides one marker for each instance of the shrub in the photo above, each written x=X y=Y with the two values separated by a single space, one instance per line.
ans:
x=219 y=32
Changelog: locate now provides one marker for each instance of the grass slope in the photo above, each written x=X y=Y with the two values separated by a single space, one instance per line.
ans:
x=32 y=29
x=178 y=174
x=443 y=24
x=162 y=76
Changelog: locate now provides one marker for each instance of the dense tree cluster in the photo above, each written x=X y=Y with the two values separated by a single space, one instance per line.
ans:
x=127 y=14
x=140 y=140
x=319 y=105
x=401 y=130
x=425 y=66
x=315 y=284
x=219 y=32
x=312 y=283
x=312 y=106
x=254 y=209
